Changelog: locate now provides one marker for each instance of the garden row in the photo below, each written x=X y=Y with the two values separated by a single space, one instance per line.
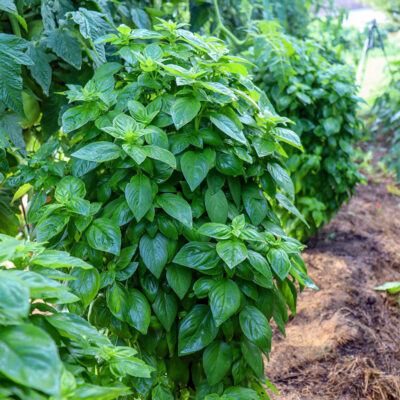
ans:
x=170 y=179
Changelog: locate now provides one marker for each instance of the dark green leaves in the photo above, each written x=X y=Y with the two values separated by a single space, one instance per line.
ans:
x=180 y=279
x=224 y=300
x=229 y=124
x=256 y=328
x=51 y=226
x=280 y=262
x=183 y=110
x=139 y=196
x=28 y=356
x=196 y=331
x=129 y=305
x=98 y=152
x=233 y=252
x=176 y=207
x=154 y=253
x=217 y=360
x=195 y=166
x=198 y=255
x=104 y=235
x=165 y=307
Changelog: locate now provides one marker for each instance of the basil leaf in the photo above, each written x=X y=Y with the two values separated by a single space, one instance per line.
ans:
x=225 y=299
x=104 y=235
x=176 y=207
x=217 y=361
x=98 y=152
x=139 y=196
x=256 y=328
x=154 y=253
x=183 y=110
x=232 y=252
x=196 y=331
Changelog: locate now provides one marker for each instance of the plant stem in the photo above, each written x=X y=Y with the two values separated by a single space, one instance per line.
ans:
x=14 y=25
x=223 y=28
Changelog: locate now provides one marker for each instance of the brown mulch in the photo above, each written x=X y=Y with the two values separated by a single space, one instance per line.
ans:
x=344 y=342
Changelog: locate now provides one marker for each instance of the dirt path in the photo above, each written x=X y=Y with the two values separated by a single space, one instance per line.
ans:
x=344 y=342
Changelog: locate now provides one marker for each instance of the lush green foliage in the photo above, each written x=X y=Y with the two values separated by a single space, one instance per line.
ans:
x=386 y=120
x=164 y=158
x=320 y=98
x=46 y=353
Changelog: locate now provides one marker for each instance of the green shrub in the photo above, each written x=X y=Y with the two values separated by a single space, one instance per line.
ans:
x=46 y=353
x=164 y=158
x=320 y=98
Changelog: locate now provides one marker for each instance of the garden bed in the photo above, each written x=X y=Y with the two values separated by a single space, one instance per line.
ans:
x=344 y=342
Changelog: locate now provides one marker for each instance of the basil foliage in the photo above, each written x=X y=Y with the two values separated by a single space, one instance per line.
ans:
x=165 y=178
x=320 y=97
x=45 y=352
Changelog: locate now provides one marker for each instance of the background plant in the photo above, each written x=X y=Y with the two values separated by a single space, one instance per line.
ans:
x=320 y=97
x=47 y=353
x=166 y=152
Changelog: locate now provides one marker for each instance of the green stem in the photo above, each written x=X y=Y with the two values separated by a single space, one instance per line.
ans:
x=224 y=29
x=14 y=25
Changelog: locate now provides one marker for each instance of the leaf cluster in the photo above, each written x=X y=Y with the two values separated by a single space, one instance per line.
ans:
x=45 y=351
x=320 y=97
x=166 y=180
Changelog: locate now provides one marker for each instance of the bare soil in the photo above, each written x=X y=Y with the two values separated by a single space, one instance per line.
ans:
x=344 y=342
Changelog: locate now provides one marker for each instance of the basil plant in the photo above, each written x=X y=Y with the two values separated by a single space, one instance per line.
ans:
x=47 y=353
x=164 y=178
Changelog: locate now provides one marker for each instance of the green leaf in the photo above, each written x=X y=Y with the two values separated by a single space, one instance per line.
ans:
x=196 y=331
x=59 y=259
x=14 y=299
x=68 y=188
x=260 y=264
x=198 y=255
x=217 y=361
x=160 y=154
x=165 y=307
x=183 y=110
x=154 y=253
x=225 y=299
x=253 y=357
x=216 y=231
x=12 y=55
x=279 y=261
x=138 y=311
x=233 y=252
x=256 y=328
x=195 y=166
x=65 y=46
x=161 y=392
x=98 y=152
x=73 y=326
x=29 y=357
x=86 y=286
x=179 y=278
x=286 y=203
x=282 y=178
x=229 y=126
x=241 y=393
x=176 y=206
x=216 y=206
x=390 y=287
x=40 y=69
x=288 y=136
x=104 y=235
x=51 y=226
x=139 y=195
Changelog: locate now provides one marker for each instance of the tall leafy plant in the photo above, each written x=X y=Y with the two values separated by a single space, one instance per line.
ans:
x=46 y=353
x=171 y=161
x=320 y=97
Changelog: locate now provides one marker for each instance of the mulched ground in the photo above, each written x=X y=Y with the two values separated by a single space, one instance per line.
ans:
x=344 y=342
